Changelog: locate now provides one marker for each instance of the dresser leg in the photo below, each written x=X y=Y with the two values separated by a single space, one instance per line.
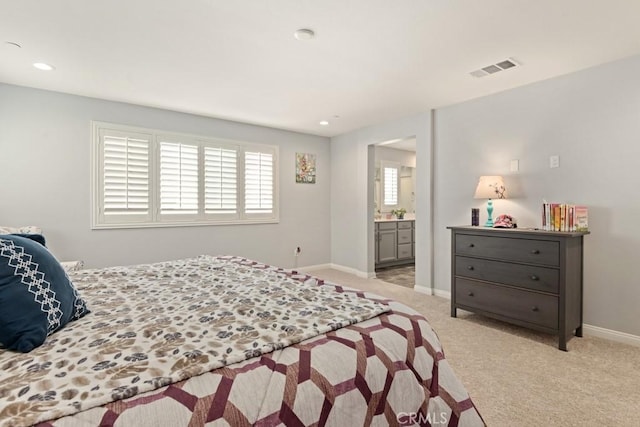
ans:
x=579 y=331
x=454 y=312
x=562 y=343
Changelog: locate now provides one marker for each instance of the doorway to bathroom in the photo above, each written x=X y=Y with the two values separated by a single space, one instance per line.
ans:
x=394 y=216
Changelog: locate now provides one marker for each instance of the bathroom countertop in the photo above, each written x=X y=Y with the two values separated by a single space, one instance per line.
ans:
x=393 y=219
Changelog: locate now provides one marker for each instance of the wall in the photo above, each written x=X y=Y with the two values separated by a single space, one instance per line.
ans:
x=591 y=119
x=352 y=204
x=44 y=147
x=404 y=157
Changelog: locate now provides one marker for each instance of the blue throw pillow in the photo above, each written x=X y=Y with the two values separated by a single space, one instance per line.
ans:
x=36 y=296
x=35 y=237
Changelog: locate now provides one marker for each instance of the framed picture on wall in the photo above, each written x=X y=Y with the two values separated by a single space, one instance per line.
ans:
x=305 y=168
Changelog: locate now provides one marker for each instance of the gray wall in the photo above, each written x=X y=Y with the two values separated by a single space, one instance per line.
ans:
x=591 y=119
x=45 y=166
x=352 y=187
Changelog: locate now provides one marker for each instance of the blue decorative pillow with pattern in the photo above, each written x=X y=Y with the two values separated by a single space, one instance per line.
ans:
x=37 y=297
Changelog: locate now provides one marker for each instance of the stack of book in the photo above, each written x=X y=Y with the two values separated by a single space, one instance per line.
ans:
x=564 y=217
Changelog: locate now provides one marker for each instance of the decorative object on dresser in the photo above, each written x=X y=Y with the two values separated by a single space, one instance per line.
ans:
x=490 y=187
x=475 y=217
x=530 y=278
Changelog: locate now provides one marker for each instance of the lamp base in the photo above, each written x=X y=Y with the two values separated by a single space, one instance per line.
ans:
x=489 y=222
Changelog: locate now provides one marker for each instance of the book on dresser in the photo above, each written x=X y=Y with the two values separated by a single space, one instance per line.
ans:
x=528 y=277
x=581 y=218
x=564 y=217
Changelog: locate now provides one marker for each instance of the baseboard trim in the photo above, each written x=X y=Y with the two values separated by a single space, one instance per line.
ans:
x=309 y=268
x=433 y=292
x=358 y=273
x=423 y=290
x=441 y=293
x=622 y=337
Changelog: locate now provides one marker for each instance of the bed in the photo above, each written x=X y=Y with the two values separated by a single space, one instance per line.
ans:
x=230 y=341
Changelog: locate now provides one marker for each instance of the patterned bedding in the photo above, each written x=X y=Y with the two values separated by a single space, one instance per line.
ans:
x=228 y=341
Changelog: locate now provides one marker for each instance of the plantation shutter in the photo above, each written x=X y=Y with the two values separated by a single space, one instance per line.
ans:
x=390 y=186
x=220 y=180
x=125 y=174
x=149 y=178
x=178 y=178
x=258 y=182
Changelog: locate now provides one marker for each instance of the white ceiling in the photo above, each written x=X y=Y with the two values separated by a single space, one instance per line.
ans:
x=371 y=61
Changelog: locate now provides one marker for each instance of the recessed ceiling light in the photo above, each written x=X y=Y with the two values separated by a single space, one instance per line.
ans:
x=43 y=66
x=324 y=123
x=14 y=44
x=304 y=34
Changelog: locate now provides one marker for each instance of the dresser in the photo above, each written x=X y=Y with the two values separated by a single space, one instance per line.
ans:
x=530 y=278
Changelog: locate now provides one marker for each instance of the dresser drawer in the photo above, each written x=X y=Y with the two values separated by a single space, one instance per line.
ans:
x=404 y=236
x=544 y=252
x=525 y=276
x=405 y=251
x=517 y=304
x=389 y=225
x=404 y=225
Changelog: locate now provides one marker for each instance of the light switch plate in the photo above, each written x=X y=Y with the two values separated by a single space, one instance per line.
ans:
x=515 y=165
x=554 y=161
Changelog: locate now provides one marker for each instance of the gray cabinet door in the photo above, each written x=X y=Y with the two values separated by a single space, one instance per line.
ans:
x=387 y=245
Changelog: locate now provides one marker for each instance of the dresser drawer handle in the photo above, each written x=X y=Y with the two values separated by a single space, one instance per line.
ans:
x=471 y=245
x=470 y=294
x=534 y=308
x=470 y=267
x=534 y=277
x=535 y=252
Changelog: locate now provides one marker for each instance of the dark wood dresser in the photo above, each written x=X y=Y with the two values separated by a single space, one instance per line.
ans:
x=527 y=277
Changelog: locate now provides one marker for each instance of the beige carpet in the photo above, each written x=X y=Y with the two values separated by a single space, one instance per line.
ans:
x=518 y=377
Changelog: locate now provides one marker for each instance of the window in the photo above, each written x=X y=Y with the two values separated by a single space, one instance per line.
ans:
x=147 y=178
x=390 y=185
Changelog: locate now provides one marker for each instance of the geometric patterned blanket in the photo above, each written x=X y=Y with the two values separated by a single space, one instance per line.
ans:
x=157 y=324
x=387 y=370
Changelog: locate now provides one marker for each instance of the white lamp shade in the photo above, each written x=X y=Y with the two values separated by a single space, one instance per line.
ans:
x=490 y=187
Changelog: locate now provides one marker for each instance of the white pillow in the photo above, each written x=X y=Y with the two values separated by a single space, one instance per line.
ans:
x=29 y=229
x=70 y=266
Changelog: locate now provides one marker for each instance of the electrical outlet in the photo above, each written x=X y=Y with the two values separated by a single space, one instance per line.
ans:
x=554 y=161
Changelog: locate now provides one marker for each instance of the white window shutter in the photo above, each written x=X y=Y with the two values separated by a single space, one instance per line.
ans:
x=220 y=180
x=149 y=178
x=178 y=178
x=258 y=182
x=125 y=180
x=390 y=186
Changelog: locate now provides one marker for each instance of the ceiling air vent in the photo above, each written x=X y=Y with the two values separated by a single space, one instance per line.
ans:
x=494 y=68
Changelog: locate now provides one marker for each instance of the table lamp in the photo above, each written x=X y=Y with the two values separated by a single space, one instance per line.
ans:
x=490 y=187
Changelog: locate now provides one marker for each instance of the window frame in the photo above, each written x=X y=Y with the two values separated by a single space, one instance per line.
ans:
x=155 y=218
